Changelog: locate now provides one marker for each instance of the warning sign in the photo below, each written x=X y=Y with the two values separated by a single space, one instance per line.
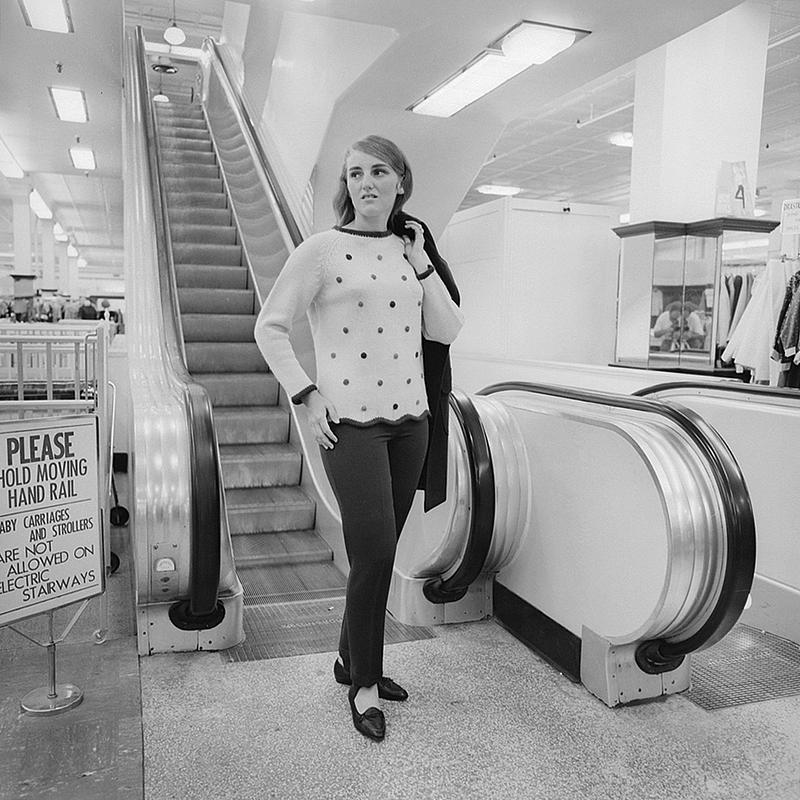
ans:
x=51 y=551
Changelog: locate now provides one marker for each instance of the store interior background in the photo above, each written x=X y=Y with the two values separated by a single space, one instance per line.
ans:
x=548 y=131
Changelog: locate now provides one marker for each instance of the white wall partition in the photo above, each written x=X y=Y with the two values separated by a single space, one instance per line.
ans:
x=538 y=280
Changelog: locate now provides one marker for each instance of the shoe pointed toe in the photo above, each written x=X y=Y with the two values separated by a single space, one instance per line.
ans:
x=389 y=690
x=371 y=723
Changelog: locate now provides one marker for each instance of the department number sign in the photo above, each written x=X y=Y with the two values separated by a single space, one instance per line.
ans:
x=51 y=545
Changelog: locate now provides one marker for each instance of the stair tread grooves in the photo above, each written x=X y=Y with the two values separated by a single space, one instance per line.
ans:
x=280 y=543
x=240 y=452
x=268 y=496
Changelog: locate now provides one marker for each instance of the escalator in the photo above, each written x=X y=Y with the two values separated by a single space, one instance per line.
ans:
x=622 y=535
x=602 y=529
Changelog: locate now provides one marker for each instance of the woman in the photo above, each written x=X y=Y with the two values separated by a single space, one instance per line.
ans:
x=374 y=298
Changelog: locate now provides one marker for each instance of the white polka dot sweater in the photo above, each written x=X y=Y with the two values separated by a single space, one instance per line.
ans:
x=368 y=312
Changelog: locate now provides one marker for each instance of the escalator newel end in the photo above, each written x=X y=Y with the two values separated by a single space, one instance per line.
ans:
x=436 y=592
x=181 y=616
x=651 y=660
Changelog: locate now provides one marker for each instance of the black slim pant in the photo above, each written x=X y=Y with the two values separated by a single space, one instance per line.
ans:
x=374 y=471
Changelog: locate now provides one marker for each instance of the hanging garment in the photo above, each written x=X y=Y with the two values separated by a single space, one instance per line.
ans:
x=750 y=345
x=737 y=303
x=787 y=334
x=724 y=312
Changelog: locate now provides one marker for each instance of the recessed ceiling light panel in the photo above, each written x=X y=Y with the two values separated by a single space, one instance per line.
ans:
x=493 y=188
x=621 y=139
x=82 y=158
x=8 y=164
x=38 y=205
x=70 y=104
x=47 y=15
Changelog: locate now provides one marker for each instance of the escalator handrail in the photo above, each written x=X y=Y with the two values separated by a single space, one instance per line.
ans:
x=256 y=147
x=740 y=525
x=730 y=386
x=479 y=537
x=205 y=530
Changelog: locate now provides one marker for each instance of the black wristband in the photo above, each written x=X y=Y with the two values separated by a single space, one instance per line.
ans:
x=298 y=398
x=422 y=275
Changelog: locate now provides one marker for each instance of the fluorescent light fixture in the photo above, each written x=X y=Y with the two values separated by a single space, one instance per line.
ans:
x=156 y=47
x=70 y=104
x=161 y=98
x=624 y=219
x=81 y=262
x=159 y=48
x=195 y=53
x=621 y=139
x=759 y=212
x=38 y=205
x=526 y=44
x=82 y=158
x=47 y=15
x=58 y=233
x=71 y=251
x=8 y=164
x=492 y=188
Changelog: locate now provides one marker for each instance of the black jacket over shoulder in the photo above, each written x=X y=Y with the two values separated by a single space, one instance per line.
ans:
x=438 y=378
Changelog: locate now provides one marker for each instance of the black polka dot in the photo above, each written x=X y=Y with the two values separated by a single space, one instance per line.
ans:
x=419 y=303
x=363 y=355
x=404 y=277
x=361 y=304
x=407 y=329
x=395 y=406
x=380 y=383
x=333 y=355
x=408 y=380
x=363 y=408
x=380 y=330
x=417 y=402
x=346 y=381
x=416 y=355
x=380 y=257
x=348 y=256
x=345 y=330
x=374 y=277
x=396 y=355
x=392 y=304
x=338 y=279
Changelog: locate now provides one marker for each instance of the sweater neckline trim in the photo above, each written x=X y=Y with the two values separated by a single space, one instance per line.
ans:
x=368 y=234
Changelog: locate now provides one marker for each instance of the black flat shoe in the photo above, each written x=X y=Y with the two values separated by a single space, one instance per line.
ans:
x=371 y=723
x=387 y=688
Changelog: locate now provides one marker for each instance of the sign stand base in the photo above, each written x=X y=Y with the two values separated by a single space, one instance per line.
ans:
x=41 y=703
x=55 y=698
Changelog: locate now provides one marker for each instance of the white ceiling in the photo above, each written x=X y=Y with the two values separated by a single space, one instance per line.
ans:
x=560 y=152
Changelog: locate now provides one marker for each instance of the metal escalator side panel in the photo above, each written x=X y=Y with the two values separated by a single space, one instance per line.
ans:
x=454 y=585
x=442 y=535
x=709 y=535
x=513 y=486
x=176 y=469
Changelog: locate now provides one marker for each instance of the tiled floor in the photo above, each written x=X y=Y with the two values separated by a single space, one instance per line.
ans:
x=486 y=719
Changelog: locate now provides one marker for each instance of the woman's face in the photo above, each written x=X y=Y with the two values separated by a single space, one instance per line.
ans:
x=372 y=185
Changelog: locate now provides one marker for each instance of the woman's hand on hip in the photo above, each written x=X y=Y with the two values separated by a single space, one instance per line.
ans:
x=321 y=412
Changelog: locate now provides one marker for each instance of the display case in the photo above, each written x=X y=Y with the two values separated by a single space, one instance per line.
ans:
x=683 y=286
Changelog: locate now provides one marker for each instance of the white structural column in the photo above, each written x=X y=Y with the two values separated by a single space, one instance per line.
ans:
x=48 y=280
x=23 y=233
x=698 y=103
x=72 y=286
x=62 y=261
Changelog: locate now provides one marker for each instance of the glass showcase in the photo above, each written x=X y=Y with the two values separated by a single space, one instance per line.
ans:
x=680 y=286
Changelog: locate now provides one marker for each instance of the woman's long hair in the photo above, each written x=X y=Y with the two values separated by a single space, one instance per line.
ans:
x=386 y=151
